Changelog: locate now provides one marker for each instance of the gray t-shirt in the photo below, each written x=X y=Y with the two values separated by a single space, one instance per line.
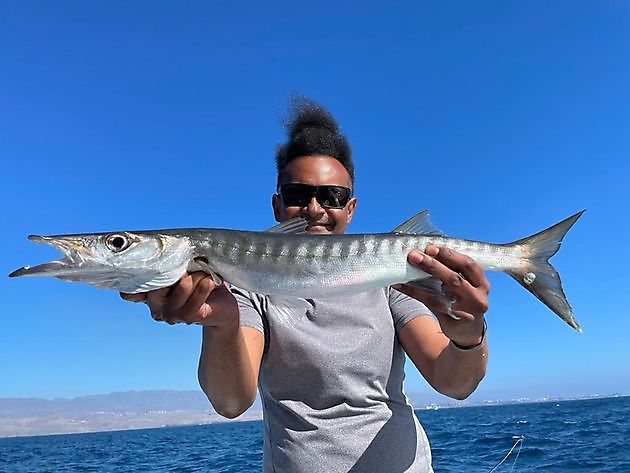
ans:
x=331 y=383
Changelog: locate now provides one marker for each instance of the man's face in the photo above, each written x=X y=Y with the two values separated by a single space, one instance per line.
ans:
x=316 y=171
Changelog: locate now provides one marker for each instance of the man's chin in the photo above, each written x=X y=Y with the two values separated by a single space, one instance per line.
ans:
x=319 y=229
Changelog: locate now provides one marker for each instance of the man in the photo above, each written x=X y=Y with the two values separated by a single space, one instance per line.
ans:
x=330 y=371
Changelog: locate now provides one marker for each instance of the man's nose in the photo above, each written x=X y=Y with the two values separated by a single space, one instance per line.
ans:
x=313 y=208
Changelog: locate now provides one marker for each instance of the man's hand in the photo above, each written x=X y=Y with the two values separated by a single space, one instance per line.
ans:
x=194 y=299
x=230 y=354
x=465 y=290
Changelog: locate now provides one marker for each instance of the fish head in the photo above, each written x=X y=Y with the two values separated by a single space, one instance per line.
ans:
x=129 y=262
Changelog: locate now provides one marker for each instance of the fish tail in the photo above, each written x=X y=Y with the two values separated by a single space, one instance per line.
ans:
x=538 y=276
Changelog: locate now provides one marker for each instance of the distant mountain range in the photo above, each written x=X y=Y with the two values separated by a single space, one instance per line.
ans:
x=115 y=411
x=116 y=403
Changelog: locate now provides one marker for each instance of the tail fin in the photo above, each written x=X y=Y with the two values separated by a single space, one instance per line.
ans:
x=538 y=276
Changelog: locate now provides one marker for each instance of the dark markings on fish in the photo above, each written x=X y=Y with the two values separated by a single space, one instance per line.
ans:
x=329 y=252
x=218 y=247
x=362 y=249
x=382 y=246
x=346 y=249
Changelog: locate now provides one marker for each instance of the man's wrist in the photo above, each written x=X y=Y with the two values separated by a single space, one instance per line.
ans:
x=473 y=347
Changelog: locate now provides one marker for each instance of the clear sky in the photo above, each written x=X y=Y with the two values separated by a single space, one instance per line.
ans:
x=502 y=118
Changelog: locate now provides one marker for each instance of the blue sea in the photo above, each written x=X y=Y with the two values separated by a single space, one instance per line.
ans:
x=575 y=436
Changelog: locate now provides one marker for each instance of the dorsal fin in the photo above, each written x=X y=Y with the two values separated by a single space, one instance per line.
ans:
x=293 y=225
x=419 y=224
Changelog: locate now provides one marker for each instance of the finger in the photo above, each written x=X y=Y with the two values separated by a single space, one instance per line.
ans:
x=140 y=297
x=196 y=307
x=452 y=280
x=182 y=291
x=155 y=299
x=455 y=288
x=460 y=263
x=474 y=300
x=449 y=293
x=221 y=300
x=415 y=257
x=179 y=294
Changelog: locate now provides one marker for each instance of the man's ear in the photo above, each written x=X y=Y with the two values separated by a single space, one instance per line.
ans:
x=350 y=208
x=276 y=203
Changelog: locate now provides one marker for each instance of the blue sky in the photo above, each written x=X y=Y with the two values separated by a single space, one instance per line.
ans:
x=500 y=117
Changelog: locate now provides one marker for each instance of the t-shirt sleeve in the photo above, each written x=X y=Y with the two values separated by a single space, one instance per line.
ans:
x=250 y=308
x=405 y=308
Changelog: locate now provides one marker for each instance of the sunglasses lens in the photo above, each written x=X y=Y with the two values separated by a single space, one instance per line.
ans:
x=333 y=196
x=299 y=195
x=296 y=195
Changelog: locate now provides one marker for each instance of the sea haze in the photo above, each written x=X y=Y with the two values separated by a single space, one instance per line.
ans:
x=559 y=436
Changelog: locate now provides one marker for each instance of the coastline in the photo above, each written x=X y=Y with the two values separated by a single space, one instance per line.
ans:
x=112 y=421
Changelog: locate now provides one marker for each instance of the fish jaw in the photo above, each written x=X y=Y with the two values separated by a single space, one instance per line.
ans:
x=152 y=261
x=66 y=266
x=52 y=268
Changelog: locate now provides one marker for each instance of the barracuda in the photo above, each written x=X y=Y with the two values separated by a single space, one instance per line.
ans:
x=286 y=261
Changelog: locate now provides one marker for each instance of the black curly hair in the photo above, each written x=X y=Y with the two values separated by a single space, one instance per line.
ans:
x=312 y=131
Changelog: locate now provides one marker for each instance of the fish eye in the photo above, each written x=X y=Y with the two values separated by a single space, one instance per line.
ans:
x=117 y=242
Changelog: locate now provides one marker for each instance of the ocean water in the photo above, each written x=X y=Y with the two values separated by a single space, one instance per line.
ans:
x=567 y=436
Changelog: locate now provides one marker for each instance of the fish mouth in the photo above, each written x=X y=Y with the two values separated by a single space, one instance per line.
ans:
x=61 y=267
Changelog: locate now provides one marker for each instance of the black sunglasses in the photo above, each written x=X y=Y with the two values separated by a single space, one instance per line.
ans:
x=299 y=195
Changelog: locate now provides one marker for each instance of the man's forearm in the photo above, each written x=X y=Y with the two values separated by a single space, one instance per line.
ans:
x=460 y=371
x=225 y=372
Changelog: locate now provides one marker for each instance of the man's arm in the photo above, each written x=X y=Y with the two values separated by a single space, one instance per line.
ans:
x=230 y=354
x=452 y=372
x=433 y=346
x=228 y=368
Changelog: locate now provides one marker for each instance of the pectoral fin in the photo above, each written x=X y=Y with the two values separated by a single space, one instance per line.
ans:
x=294 y=225
x=200 y=263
